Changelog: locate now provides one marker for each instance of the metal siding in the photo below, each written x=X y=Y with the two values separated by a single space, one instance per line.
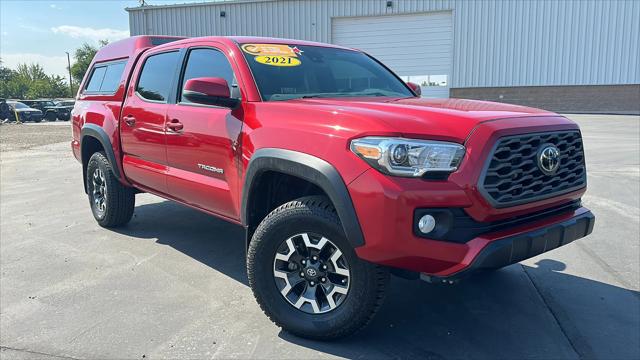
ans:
x=530 y=43
x=422 y=46
x=496 y=42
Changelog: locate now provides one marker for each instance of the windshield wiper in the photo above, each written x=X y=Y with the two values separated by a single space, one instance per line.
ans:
x=281 y=97
x=324 y=95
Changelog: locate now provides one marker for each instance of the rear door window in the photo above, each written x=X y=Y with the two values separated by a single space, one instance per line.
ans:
x=157 y=76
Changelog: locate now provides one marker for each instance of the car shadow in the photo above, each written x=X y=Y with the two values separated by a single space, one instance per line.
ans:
x=517 y=312
x=205 y=238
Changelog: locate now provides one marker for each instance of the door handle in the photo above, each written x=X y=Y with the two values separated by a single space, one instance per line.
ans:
x=175 y=125
x=129 y=120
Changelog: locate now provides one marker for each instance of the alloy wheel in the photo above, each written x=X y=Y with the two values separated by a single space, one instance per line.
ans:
x=311 y=273
x=99 y=191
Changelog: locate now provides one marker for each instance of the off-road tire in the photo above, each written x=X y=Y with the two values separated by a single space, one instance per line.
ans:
x=120 y=199
x=368 y=281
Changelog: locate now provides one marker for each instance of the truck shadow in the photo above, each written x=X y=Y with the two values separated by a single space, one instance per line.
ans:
x=205 y=238
x=517 y=312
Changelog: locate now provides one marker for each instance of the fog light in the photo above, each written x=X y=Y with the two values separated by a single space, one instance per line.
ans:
x=426 y=224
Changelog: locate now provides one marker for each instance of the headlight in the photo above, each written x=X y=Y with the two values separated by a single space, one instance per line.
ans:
x=407 y=157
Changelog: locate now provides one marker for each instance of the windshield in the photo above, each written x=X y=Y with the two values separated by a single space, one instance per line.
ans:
x=284 y=72
x=19 y=105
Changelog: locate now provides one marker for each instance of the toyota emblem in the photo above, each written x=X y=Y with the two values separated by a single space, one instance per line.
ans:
x=311 y=272
x=548 y=159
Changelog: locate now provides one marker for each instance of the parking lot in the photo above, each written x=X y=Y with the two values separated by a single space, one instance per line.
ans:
x=172 y=283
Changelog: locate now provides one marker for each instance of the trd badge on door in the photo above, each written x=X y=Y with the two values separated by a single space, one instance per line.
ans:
x=211 y=168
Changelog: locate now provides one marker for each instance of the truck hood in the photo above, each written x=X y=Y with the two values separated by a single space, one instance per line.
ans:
x=444 y=119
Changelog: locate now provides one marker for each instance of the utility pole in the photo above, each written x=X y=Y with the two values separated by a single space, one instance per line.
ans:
x=70 y=81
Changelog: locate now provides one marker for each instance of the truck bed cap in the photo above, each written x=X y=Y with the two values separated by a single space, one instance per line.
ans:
x=126 y=47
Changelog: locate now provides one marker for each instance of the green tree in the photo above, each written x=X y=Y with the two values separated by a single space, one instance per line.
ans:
x=29 y=81
x=6 y=75
x=82 y=59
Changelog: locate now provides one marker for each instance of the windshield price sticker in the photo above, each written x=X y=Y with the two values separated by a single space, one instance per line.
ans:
x=278 y=60
x=274 y=54
x=270 y=49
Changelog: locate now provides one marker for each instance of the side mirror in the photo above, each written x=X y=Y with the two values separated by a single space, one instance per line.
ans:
x=209 y=91
x=416 y=88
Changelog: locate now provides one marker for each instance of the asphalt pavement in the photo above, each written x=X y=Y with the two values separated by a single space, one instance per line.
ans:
x=172 y=283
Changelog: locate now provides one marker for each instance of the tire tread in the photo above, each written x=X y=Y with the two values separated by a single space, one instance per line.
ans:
x=121 y=199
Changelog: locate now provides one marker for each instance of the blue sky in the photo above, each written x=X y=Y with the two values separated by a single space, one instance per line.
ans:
x=41 y=31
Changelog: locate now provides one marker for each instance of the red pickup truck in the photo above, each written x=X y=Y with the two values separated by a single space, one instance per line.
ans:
x=338 y=170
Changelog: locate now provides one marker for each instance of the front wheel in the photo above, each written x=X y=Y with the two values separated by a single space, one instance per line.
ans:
x=306 y=276
x=111 y=202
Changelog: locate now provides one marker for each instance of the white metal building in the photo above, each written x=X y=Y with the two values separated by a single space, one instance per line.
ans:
x=567 y=55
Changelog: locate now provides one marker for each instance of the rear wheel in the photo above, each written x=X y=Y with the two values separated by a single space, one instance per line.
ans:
x=51 y=116
x=111 y=202
x=306 y=276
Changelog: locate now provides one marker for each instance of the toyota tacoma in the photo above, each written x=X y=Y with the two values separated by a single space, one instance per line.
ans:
x=339 y=171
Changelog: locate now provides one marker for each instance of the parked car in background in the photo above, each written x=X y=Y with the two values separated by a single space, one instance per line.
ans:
x=47 y=106
x=23 y=112
x=63 y=109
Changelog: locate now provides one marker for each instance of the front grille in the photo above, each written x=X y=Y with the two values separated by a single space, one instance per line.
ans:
x=512 y=175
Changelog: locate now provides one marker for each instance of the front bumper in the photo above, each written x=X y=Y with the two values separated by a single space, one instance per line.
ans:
x=386 y=206
x=516 y=248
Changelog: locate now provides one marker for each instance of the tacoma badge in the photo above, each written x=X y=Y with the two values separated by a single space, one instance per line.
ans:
x=211 y=168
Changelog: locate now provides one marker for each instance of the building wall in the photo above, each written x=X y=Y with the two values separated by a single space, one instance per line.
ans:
x=618 y=99
x=496 y=42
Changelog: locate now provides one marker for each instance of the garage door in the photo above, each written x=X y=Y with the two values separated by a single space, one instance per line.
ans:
x=418 y=47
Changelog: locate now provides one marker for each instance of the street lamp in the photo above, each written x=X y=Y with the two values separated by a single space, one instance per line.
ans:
x=69 y=67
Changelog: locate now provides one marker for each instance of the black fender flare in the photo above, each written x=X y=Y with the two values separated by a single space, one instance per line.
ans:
x=309 y=168
x=98 y=133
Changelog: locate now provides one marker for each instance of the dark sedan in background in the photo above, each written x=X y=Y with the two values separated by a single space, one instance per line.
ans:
x=23 y=112
x=47 y=106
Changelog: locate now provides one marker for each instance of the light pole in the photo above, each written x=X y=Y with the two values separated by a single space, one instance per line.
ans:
x=69 y=67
